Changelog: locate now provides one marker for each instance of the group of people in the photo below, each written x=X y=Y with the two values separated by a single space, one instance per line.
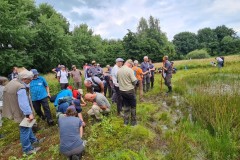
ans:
x=27 y=91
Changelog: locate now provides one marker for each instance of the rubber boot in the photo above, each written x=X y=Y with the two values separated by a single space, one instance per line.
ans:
x=144 y=88
x=169 y=89
x=148 y=86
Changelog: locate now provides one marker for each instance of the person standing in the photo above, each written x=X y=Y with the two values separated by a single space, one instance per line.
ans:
x=16 y=98
x=56 y=70
x=93 y=70
x=146 y=74
x=152 y=70
x=62 y=76
x=77 y=77
x=13 y=75
x=139 y=75
x=116 y=92
x=39 y=90
x=127 y=82
x=167 y=70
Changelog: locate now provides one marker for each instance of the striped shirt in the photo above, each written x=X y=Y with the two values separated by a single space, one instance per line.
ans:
x=38 y=88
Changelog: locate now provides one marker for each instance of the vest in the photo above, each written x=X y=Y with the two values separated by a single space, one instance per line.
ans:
x=11 y=107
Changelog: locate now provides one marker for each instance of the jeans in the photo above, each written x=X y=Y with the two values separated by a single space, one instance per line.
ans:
x=46 y=108
x=27 y=138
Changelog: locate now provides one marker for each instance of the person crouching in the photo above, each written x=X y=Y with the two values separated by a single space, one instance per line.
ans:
x=100 y=104
x=71 y=144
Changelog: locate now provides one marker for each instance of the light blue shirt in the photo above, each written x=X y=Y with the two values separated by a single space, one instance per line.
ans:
x=38 y=88
x=61 y=94
x=23 y=102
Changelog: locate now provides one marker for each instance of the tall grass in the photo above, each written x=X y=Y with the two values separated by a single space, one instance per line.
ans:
x=214 y=98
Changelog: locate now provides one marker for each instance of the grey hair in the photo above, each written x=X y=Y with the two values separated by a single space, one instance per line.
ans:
x=145 y=57
x=135 y=62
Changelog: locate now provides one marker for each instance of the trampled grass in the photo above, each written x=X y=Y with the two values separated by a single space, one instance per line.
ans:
x=198 y=121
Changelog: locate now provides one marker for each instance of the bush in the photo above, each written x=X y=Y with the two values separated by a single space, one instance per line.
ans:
x=198 y=54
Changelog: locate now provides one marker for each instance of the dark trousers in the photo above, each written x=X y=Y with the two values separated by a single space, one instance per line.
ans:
x=107 y=88
x=45 y=105
x=63 y=85
x=119 y=99
x=152 y=81
x=129 y=101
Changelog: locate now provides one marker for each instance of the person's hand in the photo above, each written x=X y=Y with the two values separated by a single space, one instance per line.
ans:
x=30 y=118
x=83 y=124
x=84 y=104
x=103 y=107
x=49 y=95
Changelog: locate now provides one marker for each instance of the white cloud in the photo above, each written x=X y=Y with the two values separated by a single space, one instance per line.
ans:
x=112 y=18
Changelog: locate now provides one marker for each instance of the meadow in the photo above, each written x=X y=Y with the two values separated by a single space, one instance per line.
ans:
x=198 y=121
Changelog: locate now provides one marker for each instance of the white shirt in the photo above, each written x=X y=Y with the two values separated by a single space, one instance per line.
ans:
x=63 y=76
x=219 y=59
x=114 y=75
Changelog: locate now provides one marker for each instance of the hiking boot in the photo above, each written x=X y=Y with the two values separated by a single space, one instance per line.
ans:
x=133 y=123
x=35 y=144
x=50 y=122
x=34 y=150
x=75 y=157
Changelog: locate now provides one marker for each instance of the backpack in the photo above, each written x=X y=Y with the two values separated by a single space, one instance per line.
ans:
x=96 y=87
x=100 y=76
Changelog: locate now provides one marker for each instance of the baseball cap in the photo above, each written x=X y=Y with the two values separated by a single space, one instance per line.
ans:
x=119 y=60
x=73 y=66
x=34 y=71
x=130 y=62
x=62 y=66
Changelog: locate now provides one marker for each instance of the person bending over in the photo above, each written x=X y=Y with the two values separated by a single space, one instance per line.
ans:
x=71 y=143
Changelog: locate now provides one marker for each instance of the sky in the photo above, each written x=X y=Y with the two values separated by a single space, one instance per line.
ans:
x=112 y=18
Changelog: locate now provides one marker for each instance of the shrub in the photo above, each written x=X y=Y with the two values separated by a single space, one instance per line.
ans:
x=198 y=54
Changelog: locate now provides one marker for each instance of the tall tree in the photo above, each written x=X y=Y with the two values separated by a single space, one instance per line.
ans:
x=185 y=42
x=16 y=33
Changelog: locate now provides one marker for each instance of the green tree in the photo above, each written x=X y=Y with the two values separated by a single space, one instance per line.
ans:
x=16 y=33
x=52 y=45
x=185 y=42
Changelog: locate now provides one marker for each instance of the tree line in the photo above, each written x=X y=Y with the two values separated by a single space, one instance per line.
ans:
x=39 y=37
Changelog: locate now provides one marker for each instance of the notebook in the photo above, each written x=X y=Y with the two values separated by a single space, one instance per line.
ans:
x=26 y=123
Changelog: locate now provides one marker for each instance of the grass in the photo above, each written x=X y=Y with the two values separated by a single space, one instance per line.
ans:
x=199 y=121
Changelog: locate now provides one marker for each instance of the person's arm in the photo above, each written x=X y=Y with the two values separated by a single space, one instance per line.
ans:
x=81 y=117
x=102 y=87
x=81 y=131
x=54 y=70
x=58 y=76
x=133 y=77
x=24 y=105
x=84 y=103
x=103 y=107
x=46 y=86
